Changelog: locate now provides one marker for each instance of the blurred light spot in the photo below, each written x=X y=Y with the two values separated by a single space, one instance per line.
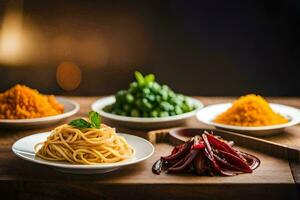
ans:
x=11 y=32
x=68 y=76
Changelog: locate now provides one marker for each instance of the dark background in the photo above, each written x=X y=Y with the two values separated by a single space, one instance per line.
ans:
x=197 y=47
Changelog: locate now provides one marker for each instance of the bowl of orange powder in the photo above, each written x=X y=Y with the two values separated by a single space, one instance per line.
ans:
x=250 y=114
x=21 y=106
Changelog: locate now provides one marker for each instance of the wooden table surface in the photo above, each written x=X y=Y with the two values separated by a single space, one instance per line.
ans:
x=275 y=178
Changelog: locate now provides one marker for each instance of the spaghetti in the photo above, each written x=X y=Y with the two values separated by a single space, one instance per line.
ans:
x=85 y=146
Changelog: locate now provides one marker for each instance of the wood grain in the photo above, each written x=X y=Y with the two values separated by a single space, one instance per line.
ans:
x=21 y=180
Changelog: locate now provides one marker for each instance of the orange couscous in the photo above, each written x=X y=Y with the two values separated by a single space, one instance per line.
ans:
x=22 y=102
x=250 y=110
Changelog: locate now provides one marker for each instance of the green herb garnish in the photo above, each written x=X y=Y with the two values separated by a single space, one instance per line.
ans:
x=80 y=123
x=94 y=121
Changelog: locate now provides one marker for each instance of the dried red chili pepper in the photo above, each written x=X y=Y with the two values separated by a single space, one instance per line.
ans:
x=236 y=161
x=180 y=153
x=224 y=164
x=182 y=164
x=206 y=154
x=175 y=149
x=220 y=145
x=209 y=154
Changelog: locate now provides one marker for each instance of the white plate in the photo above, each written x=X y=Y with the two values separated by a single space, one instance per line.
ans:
x=70 y=108
x=209 y=113
x=24 y=148
x=142 y=122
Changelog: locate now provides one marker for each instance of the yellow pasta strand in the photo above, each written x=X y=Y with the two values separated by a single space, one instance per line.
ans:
x=88 y=146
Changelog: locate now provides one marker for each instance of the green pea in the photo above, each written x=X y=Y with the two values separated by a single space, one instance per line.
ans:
x=155 y=87
x=180 y=97
x=151 y=97
x=164 y=95
x=146 y=103
x=129 y=98
x=165 y=87
x=158 y=98
x=185 y=108
x=146 y=91
x=171 y=107
x=133 y=85
x=173 y=113
x=138 y=103
x=164 y=114
x=178 y=110
x=134 y=113
x=188 y=103
x=171 y=94
x=126 y=107
x=154 y=113
x=165 y=105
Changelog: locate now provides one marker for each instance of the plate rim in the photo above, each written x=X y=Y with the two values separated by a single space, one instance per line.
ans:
x=78 y=166
x=143 y=119
x=48 y=118
x=248 y=128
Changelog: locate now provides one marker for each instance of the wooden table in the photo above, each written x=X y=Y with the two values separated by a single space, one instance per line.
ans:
x=274 y=179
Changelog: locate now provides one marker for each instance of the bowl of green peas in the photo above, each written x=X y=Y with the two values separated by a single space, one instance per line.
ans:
x=146 y=104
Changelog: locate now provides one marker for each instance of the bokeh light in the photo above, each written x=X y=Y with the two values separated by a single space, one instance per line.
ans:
x=11 y=33
x=68 y=76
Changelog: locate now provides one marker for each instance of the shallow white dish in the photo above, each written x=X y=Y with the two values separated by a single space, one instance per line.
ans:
x=70 y=108
x=24 y=148
x=142 y=122
x=209 y=113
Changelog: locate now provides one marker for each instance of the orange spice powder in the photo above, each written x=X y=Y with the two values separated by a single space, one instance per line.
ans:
x=250 y=110
x=22 y=102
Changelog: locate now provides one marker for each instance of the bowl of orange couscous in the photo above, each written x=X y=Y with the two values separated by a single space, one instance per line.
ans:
x=21 y=106
x=250 y=114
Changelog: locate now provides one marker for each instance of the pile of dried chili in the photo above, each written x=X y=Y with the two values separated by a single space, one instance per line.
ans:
x=206 y=154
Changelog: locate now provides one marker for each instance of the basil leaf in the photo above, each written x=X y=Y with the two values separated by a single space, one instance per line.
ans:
x=139 y=78
x=95 y=119
x=149 y=78
x=80 y=123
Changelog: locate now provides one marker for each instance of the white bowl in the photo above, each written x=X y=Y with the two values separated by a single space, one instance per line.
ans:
x=70 y=108
x=209 y=113
x=24 y=148
x=142 y=122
